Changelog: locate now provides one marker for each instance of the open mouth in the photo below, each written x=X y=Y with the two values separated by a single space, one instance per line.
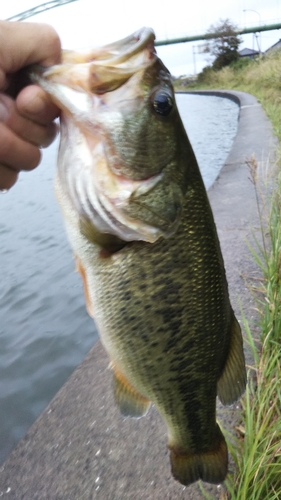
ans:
x=104 y=69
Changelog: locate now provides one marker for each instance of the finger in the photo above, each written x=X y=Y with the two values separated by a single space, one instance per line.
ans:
x=26 y=129
x=41 y=45
x=33 y=103
x=8 y=177
x=17 y=153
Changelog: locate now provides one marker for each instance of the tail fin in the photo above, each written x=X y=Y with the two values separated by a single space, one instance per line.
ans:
x=210 y=466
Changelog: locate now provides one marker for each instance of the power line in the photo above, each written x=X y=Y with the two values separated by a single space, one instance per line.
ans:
x=39 y=8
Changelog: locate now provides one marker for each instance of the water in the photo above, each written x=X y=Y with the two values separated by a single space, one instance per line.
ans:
x=211 y=124
x=44 y=329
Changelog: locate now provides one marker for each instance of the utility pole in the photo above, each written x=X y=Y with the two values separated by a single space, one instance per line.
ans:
x=255 y=34
x=194 y=59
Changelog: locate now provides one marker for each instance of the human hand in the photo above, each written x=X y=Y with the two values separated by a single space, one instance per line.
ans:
x=26 y=122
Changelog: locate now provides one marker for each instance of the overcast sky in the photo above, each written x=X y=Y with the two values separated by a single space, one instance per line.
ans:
x=85 y=23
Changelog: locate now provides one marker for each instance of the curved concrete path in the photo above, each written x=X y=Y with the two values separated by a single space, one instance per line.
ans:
x=80 y=448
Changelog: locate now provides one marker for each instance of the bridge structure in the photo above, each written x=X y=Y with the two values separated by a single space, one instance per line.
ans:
x=209 y=36
x=38 y=9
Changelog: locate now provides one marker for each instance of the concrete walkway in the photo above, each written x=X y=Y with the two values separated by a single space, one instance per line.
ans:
x=80 y=448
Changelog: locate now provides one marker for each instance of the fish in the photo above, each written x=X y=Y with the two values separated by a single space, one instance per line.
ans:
x=144 y=239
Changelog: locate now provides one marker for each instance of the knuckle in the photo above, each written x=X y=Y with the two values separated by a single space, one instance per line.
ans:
x=6 y=142
x=16 y=152
x=52 y=42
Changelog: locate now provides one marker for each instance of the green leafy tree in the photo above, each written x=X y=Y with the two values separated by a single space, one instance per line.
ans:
x=224 y=43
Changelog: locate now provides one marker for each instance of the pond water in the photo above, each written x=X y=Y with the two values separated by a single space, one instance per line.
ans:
x=44 y=329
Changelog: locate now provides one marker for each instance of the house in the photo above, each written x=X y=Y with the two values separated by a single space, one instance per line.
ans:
x=248 y=53
x=275 y=46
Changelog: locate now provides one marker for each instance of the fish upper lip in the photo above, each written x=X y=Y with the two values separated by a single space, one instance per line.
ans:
x=114 y=53
x=144 y=37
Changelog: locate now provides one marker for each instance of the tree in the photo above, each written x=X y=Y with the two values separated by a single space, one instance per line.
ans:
x=224 y=43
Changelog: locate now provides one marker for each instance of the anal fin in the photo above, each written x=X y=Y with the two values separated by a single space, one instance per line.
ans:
x=131 y=403
x=232 y=382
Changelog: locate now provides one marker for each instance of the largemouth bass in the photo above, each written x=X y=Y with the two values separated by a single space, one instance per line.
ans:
x=145 y=242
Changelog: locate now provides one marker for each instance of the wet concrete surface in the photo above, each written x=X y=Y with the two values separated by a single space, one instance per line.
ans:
x=80 y=448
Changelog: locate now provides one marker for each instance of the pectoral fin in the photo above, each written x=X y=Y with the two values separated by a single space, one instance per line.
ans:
x=105 y=241
x=232 y=382
x=82 y=271
x=131 y=403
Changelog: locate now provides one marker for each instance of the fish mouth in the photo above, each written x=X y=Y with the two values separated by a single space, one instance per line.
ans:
x=104 y=69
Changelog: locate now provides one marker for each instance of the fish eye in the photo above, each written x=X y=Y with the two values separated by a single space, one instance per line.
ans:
x=162 y=103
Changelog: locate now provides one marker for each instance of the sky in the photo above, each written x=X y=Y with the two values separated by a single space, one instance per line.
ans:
x=87 y=23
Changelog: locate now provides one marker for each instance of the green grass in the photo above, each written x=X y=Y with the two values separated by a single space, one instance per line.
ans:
x=260 y=77
x=256 y=449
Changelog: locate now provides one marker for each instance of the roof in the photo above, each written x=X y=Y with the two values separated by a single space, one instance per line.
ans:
x=248 y=52
x=275 y=46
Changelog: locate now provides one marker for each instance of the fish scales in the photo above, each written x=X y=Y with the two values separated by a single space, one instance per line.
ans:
x=170 y=336
x=150 y=258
